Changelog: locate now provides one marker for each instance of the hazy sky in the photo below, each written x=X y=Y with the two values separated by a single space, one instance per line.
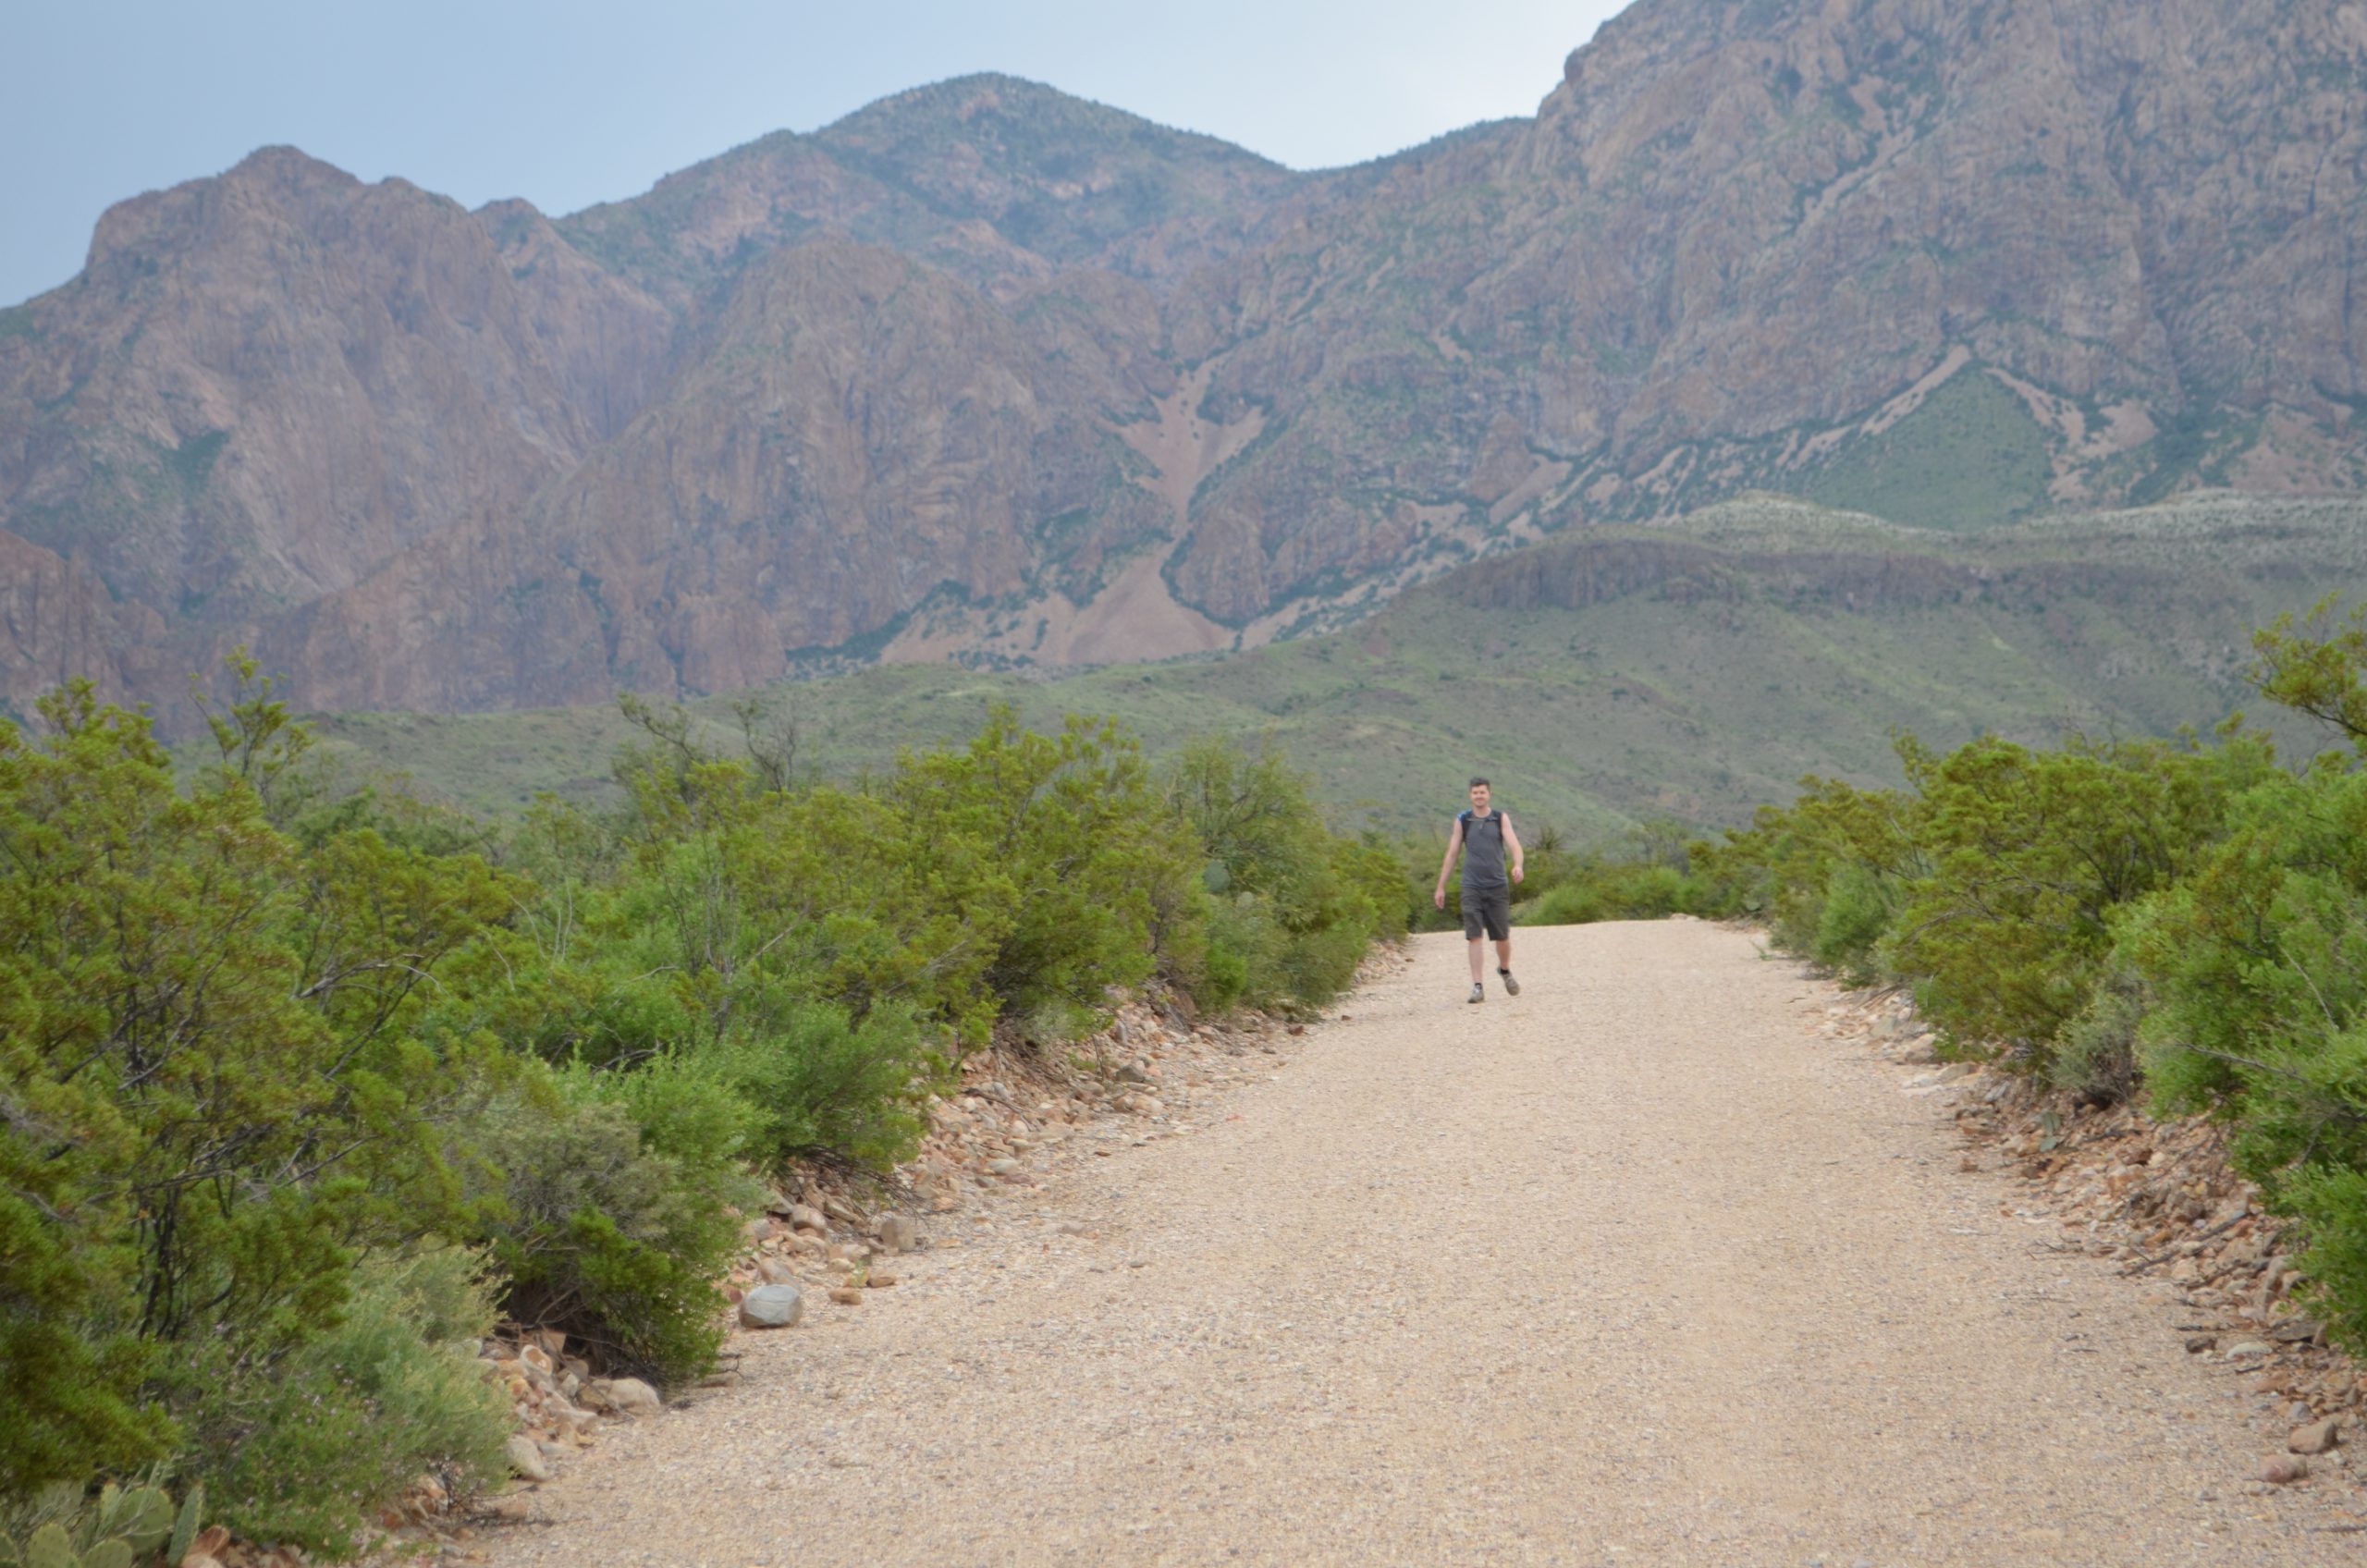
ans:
x=575 y=103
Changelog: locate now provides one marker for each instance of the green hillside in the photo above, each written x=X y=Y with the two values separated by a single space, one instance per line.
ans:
x=1692 y=670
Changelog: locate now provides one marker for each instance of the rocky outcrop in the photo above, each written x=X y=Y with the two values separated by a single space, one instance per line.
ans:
x=986 y=372
x=865 y=433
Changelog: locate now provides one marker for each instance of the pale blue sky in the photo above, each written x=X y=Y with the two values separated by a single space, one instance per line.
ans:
x=568 y=104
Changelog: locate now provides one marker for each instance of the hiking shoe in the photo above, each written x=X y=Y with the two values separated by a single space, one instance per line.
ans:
x=1511 y=986
x=1479 y=992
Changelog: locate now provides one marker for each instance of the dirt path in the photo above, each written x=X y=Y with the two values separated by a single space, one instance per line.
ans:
x=1629 y=1269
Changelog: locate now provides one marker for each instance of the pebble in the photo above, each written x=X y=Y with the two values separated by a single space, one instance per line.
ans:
x=847 y=1295
x=2283 y=1469
x=2318 y=1436
x=626 y=1396
x=526 y=1459
x=898 y=1233
x=2250 y=1348
x=772 y=1306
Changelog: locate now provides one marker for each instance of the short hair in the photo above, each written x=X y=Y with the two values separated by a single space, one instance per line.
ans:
x=1476 y=783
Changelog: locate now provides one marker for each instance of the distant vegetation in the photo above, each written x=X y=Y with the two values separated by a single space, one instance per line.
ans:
x=300 y=1091
x=1607 y=677
x=1969 y=457
x=2181 y=920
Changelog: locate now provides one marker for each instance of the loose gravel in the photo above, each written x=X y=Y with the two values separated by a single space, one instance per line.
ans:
x=1632 y=1269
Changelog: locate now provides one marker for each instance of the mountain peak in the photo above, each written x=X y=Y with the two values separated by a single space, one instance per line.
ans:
x=1083 y=386
x=1044 y=117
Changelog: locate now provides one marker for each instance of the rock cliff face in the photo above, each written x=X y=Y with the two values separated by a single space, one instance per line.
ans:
x=987 y=372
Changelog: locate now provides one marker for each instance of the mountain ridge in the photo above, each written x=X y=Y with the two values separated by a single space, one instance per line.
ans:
x=1957 y=263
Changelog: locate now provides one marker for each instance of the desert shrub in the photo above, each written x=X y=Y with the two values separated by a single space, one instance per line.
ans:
x=2258 y=965
x=608 y=1228
x=1291 y=905
x=1379 y=872
x=818 y=1082
x=1645 y=874
x=300 y=1447
x=1062 y=839
x=2318 y=666
x=266 y=1058
x=1854 y=915
x=1592 y=890
x=223 y=1062
x=2031 y=853
x=2096 y=1057
x=2181 y=920
x=1245 y=948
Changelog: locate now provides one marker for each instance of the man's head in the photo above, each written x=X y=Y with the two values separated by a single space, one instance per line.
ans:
x=1479 y=794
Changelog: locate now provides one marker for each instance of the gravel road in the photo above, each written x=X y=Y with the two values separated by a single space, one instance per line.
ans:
x=1627 y=1269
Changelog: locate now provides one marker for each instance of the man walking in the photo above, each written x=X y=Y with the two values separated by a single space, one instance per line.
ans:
x=1481 y=835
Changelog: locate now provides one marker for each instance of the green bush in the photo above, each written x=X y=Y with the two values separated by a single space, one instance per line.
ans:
x=2258 y=965
x=1060 y=843
x=1611 y=890
x=299 y=1449
x=222 y=1060
x=1645 y=876
x=2031 y=854
x=1852 y=917
x=819 y=1083
x=2097 y=1058
x=2180 y=920
x=609 y=1229
x=266 y=1058
x=1290 y=906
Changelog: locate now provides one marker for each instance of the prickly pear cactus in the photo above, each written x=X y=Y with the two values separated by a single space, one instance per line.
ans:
x=117 y=1528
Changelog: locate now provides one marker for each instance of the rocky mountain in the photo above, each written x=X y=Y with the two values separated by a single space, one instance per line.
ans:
x=988 y=374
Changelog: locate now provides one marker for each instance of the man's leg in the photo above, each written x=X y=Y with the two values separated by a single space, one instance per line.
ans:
x=1504 y=967
x=1474 y=932
x=1501 y=920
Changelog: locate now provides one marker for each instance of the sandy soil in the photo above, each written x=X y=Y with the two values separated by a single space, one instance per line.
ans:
x=1628 y=1270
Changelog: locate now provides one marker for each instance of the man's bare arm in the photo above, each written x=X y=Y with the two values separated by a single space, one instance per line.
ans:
x=1453 y=843
x=1513 y=839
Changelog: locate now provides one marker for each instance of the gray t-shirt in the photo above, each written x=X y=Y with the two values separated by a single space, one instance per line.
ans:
x=1483 y=850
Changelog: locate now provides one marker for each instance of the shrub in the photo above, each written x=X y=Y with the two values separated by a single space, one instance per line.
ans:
x=298 y=1448
x=1591 y=888
x=1854 y=915
x=2258 y=962
x=2097 y=1057
x=607 y=1229
x=222 y=1061
x=1060 y=843
x=818 y=1082
x=2032 y=853
x=259 y=1050
x=1292 y=905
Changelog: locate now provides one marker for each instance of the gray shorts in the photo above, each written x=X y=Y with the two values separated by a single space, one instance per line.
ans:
x=1488 y=908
